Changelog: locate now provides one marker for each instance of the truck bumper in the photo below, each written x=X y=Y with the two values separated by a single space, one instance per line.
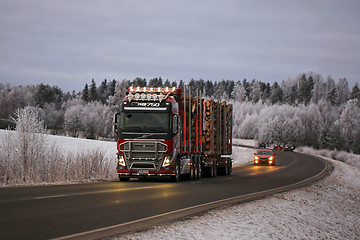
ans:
x=146 y=173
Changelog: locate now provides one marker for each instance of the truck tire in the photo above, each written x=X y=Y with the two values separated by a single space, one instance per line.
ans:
x=197 y=169
x=214 y=170
x=176 y=178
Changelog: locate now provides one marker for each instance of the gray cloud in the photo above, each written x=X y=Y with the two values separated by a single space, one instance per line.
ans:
x=70 y=42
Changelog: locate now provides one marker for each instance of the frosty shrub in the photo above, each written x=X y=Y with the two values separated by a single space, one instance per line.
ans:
x=28 y=157
x=346 y=157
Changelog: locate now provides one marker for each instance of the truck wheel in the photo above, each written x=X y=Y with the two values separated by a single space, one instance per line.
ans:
x=191 y=174
x=176 y=178
x=198 y=170
x=214 y=169
x=229 y=166
x=124 y=179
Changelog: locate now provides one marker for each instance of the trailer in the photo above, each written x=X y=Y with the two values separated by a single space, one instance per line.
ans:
x=168 y=133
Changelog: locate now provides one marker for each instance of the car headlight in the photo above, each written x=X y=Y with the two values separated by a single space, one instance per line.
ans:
x=256 y=157
x=121 y=161
x=167 y=161
x=271 y=158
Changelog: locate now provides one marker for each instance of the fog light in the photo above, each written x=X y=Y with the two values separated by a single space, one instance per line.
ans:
x=167 y=161
x=121 y=161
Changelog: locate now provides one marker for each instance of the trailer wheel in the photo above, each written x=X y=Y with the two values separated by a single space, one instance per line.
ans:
x=124 y=179
x=191 y=174
x=198 y=168
x=214 y=170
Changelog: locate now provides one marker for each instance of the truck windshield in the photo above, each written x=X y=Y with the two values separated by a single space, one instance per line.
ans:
x=145 y=121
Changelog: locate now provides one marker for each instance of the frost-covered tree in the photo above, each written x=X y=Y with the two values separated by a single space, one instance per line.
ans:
x=239 y=93
x=342 y=91
x=255 y=94
x=29 y=146
x=349 y=122
x=120 y=92
x=355 y=92
x=72 y=120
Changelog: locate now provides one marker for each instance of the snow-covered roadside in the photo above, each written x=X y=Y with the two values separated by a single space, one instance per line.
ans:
x=328 y=209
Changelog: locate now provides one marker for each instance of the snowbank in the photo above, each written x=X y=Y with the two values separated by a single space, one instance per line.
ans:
x=349 y=158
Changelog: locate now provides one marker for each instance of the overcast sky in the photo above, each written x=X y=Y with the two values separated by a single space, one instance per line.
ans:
x=69 y=42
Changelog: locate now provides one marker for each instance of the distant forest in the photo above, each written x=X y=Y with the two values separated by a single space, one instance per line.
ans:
x=307 y=110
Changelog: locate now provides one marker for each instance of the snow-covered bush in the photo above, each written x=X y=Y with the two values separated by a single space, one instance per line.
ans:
x=349 y=158
x=27 y=156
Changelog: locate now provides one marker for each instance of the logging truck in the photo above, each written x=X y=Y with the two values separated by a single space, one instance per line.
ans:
x=168 y=133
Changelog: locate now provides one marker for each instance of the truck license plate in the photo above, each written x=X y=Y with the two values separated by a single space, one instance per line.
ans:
x=143 y=171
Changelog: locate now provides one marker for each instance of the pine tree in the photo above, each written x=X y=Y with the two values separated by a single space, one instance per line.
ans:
x=93 y=96
x=85 y=93
x=355 y=92
x=276 y=95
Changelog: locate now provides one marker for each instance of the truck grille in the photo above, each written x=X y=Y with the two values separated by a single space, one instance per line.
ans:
x=143 y=155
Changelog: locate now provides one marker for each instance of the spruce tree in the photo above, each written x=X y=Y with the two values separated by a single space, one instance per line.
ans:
x=85 y=93
x=93 y=96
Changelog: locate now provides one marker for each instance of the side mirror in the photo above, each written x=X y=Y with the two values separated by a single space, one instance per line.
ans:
x=115 y=122
x=254 y=153
x=274 y=154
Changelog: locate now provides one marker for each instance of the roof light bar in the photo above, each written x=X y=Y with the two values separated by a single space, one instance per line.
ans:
x=149 y=94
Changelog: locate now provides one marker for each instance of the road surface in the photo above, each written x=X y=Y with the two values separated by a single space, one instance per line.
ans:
x=45 y=212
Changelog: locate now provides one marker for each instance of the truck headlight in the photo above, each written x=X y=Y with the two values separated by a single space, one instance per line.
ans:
x=121 y=161
x=167 y=161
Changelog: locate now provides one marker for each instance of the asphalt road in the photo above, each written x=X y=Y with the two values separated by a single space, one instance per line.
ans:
x=55 y=211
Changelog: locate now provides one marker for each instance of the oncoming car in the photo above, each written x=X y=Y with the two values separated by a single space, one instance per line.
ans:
x=289 y=147
x=264 y=156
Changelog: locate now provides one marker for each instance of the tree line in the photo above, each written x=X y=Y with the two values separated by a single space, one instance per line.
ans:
x=281 y=111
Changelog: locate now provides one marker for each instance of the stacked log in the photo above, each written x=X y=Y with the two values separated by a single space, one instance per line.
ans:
x=207 y=126
x=192 y=121
x=217 y=127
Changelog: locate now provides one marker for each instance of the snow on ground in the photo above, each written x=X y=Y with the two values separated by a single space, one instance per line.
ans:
x=77 y=145
x=72 y=145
